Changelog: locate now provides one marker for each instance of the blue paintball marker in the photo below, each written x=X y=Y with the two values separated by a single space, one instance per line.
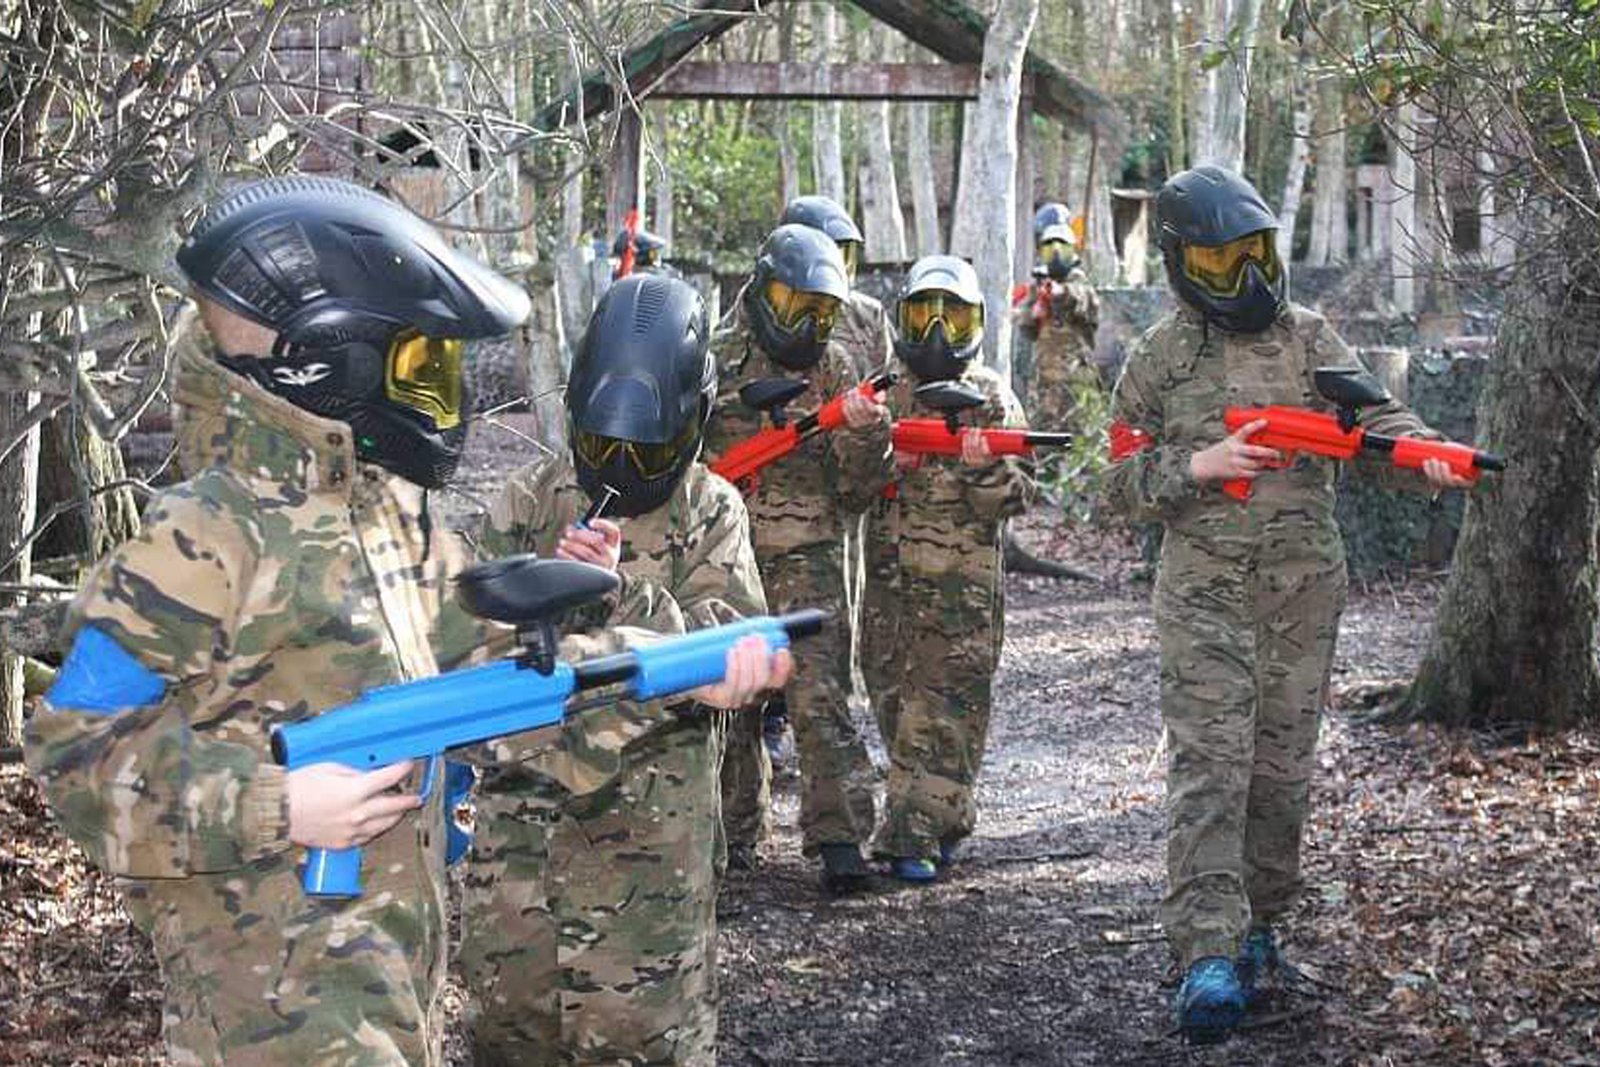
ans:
x=421 y=719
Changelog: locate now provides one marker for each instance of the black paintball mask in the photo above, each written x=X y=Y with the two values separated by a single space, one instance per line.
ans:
x=1217 y=240
x=793 y=298
x=372 y=310
x=640 y=392
x=939 y=318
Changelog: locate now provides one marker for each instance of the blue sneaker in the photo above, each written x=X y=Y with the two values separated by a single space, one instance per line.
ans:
x=1258 y=964
x=1210 y=1002
x=914 y=869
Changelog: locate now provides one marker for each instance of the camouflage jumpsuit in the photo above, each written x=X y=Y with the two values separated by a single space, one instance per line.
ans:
x=797 y=521
x=282 y=578
x=588 y=911
x=863 y=331
x=931 y=623
x=1060 y=319
x=1247 y=608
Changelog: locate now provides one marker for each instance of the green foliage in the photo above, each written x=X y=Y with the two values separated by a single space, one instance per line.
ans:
x=1073 y=475
x=728 y=189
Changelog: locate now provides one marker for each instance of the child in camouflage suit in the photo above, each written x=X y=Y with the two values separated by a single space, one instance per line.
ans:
x=589 y=908
x=287 y=575
x=934 y=602
x=1249 y=593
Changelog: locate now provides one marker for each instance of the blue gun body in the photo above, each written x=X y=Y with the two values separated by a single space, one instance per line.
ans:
x=423 y=718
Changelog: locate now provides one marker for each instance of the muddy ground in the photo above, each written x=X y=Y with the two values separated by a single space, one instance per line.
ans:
x=1450 y=916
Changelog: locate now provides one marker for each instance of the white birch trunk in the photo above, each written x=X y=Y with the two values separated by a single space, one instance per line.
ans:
x=828 y=156
x=788 y=158
x=1225 y=90
x=1330 y=225
x=572 y=200
x=965 y=227
x=663 y=218
x=1299 y=153
x=1403 y=234
x=924 y=193
x=883 y=224
x=988 y=186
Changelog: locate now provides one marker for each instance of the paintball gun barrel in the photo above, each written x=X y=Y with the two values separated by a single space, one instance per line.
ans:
x=743 y=463
x=423 y=718
x=1292 y=430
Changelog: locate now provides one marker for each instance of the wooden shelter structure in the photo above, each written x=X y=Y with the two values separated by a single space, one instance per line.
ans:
x=664 y=68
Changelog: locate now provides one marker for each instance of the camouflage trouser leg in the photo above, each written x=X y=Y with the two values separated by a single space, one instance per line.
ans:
x=746 y=780
x=946 y=664
x=241 y=988
x=879 y=635
x=589 y=922
x=1244 y=662
x=836 y=802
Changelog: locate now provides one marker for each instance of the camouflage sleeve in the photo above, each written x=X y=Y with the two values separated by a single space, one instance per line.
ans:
x=862 y=460
x=1022 y=301
x=150 y=791
x=1150 y=480
x=1005 y=488
x=1394 y=419
x=722 y=583
x=885 y=343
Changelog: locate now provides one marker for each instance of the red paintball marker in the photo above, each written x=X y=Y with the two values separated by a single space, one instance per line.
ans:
x=743 y=463
x=942 y=436
x=1291 y=430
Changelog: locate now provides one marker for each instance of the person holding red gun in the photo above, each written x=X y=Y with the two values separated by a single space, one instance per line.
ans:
x=1249 y=593
x=1058 y=312
x=933 y=605
x=798 y=509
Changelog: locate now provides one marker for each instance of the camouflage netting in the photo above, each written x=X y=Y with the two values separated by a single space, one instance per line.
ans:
x=1385 y=530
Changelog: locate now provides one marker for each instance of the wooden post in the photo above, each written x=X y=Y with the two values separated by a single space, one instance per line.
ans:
x=625 y=176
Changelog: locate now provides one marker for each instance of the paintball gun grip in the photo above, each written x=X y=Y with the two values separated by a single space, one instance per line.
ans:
x=332 y=873
x=335 y=873
x=831 y=415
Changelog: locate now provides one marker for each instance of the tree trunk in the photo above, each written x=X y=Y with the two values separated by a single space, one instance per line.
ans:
x=924 y=193
x=1299 y=152
x=19 y=494
x=1403 y=232
x=1515 y=636
x=1099 y=238
x=1225 y=89
x=1177 y=94
x=829 y=158
x=882 y=222
x=572 y=200
x=988 y=186
x=1330 y=222
x=74 y=461
x=964 y=224
x=660 y=126
x=788 y=158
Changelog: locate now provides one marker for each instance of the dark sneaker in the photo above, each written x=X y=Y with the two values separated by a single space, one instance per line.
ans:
x=843 y=869
x=947 y=852
x=1210 y=1002
x=914 y=869
x=742 y=856
x=1257 y=965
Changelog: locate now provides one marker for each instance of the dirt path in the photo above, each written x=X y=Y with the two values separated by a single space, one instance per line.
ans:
x=1041 y=947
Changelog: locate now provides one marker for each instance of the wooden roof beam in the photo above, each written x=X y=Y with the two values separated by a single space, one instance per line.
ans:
x=820 y=81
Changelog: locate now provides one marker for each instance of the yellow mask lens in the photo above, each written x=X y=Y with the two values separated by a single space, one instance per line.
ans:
x=919 y=313
x=1052 y=249
x=851 y=250
x=424 y=374
x=650 y=459
x=1220 y=268
x=791 y=307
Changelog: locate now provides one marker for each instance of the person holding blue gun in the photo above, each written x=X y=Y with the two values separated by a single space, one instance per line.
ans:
x=294 y=570
x=589 y=921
